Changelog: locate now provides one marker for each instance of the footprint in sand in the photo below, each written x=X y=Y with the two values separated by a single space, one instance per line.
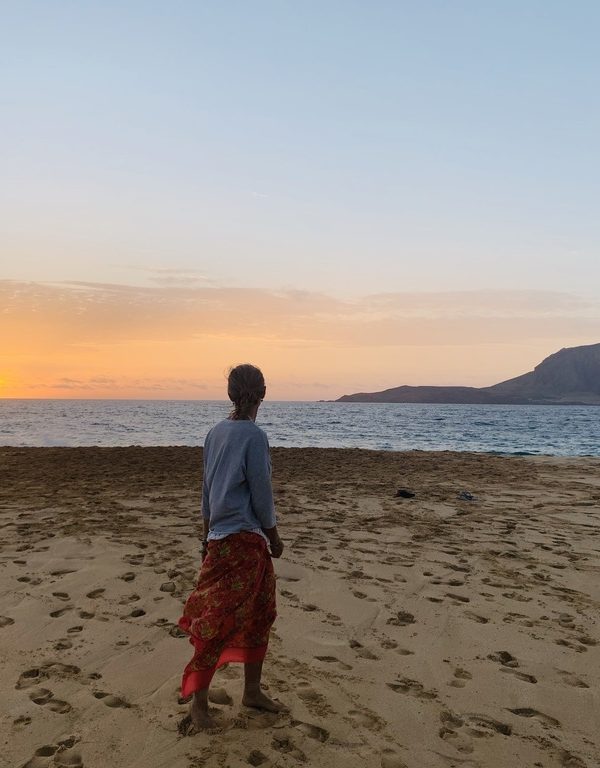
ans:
x=95 y=593
x=307 y=693
x=569 y=760
x=285 y=745
x=570 y=679
x=401 y=619
x=312 y=731
x=459 y=741
x=365 y=719
x=30 y=677
x=44 y=697
x=41 y=696
x=479 y=726
x=587 y=640
x=482 y=725
x=61 y=595
x=70 y=758
x=110 y=700
x=458 y=598
x=569 y=644
x=315 y=702
x=61 y=611
x=361 y=651
x=256 y=757
x=505 y=658
x=134 y=559
x=333 y=660
x=529 y=712
x=22 y=720
x=476 y=617
x=566 y=620
x=129 y=576
x=520 y=675
x=75 y=630
x=389 y=759
x=6 y=621
x=129 y=599
x=46 y=751
x=460 y=675
x=86 y=614
x=252 y=719
x=51 y=669
x=412 y=688
x=137 y=612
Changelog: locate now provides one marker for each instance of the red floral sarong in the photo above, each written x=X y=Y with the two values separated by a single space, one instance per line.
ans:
x=229 y=614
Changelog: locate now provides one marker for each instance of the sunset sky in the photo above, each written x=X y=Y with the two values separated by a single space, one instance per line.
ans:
x=352 y=195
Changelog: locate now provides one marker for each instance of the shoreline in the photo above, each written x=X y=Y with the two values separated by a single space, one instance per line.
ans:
x=432 y=631
x=276 y=448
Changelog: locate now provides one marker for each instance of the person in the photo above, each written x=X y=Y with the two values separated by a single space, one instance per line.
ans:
x=229 y=614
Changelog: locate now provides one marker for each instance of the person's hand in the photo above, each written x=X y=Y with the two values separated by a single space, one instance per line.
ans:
x=276 y=547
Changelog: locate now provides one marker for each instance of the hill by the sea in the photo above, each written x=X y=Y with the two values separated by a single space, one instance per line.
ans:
x=568 y=377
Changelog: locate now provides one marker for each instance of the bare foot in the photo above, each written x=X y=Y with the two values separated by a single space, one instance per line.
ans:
x=196 y=721
x=259 y=700
x=201 y=720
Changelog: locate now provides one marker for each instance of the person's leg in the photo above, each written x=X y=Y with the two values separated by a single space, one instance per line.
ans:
x=199 y=711
x=253 y=695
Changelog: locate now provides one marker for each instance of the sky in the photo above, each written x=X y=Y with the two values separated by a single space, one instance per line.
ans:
x=351 y=195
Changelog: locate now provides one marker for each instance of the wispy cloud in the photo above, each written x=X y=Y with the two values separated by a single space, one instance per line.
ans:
x=98 y=312
x=172 y=276
x=106 y=385
x=94 y=337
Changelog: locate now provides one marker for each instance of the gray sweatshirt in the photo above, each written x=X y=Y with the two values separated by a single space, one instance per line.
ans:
x=236 y=491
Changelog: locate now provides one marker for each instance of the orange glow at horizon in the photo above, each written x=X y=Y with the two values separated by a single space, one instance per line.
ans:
x=96 y=341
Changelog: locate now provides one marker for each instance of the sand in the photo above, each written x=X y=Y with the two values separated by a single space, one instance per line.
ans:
x=433 y=631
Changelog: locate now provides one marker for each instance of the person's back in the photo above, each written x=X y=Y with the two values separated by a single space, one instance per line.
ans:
x=236 y=490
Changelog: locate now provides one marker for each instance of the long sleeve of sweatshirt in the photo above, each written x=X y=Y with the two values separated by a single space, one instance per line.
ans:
x=258 y=477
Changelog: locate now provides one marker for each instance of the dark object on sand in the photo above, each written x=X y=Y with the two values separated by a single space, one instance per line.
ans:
x=466 y=496
x=402 y=493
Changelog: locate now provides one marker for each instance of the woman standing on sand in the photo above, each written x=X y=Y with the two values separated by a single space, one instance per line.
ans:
x=229 y=614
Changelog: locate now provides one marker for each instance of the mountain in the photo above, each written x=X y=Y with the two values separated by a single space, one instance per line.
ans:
x=568 y=377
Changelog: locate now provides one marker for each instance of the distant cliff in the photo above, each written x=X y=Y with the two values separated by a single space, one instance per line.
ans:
x=568 y=377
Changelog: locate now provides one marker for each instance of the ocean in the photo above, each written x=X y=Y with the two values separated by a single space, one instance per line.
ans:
x=499 y=429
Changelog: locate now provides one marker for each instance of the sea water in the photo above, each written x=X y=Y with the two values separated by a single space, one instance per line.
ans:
x=502 y=429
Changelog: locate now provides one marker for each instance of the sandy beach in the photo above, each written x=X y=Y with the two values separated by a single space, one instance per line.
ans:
x=433 y=631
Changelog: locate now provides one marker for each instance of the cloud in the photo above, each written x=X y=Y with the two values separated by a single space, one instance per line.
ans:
x=76 y=313
x=172 y=276
x=99 y=383
x=115 y=340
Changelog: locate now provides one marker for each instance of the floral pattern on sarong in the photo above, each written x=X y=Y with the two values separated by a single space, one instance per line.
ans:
x=230 y=612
